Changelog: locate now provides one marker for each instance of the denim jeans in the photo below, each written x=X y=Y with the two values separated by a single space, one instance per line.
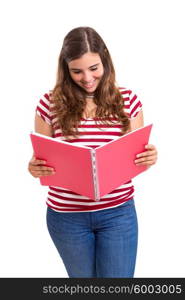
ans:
x=96 y=244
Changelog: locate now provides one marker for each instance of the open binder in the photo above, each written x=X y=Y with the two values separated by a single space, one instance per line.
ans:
x=91 y=172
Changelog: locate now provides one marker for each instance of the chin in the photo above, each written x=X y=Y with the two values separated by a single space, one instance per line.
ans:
x=91 y=90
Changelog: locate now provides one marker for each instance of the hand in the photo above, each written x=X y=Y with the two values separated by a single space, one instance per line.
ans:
x=36 y=168
x=147 y=158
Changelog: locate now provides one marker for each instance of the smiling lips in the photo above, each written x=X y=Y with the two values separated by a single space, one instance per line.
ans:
x=89 y=85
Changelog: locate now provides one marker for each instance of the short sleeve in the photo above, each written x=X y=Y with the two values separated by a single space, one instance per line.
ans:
x=132 y=103
x=43 y=108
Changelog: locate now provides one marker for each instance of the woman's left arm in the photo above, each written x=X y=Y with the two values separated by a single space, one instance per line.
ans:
x=148 y=157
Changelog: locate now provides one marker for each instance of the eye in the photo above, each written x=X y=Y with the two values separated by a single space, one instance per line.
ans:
x=94 y=69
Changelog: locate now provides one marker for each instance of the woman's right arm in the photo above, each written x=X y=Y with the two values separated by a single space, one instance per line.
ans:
x=36 y=166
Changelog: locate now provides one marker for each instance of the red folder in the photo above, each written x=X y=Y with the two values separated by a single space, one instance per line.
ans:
x=91 y=172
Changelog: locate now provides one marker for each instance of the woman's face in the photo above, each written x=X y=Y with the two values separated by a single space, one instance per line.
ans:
x=87 y=71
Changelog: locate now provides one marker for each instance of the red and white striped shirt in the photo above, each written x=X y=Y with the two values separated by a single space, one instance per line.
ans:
x=91 y=135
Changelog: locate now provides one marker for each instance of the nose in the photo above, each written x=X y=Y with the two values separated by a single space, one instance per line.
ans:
x=87 y=77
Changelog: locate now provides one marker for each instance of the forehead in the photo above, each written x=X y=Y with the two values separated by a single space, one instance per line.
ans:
x=85 y=61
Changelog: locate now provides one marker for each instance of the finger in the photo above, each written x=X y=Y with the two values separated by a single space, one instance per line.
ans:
x=146 y=153
x=146 y=162
x=35 y=162
x=43 y=173
x=145 y=159
x=150 y=146
x=40 y=168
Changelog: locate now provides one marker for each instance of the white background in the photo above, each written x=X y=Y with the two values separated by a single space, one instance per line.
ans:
x=146 y=41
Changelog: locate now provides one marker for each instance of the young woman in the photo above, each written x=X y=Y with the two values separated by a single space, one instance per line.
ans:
x=87 y=107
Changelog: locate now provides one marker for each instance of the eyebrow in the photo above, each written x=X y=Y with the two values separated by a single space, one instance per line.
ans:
x=80 y=69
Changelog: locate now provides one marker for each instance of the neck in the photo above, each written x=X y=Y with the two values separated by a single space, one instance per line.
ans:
x=90 y=95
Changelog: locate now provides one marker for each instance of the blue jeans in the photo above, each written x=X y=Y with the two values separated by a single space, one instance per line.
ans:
x=96 y=244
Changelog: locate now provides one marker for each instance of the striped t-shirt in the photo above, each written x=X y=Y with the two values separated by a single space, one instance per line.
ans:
x=91 y=135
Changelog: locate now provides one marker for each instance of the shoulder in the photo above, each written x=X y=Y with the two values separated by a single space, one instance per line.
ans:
x=47 y=96
x=45 y=99
x=132 y=103
x=126 y=93
x=43 y=108
x=124 y=90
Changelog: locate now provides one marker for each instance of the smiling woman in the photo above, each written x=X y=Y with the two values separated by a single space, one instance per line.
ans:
x=87 y=107
x=85 y=68
x=88 y=77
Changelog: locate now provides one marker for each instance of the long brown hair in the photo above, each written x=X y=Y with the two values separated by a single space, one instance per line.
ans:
x=69 y=99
